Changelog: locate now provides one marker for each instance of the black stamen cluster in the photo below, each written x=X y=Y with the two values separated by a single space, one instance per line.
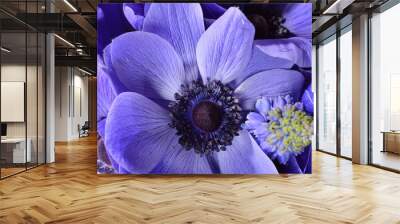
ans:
x=206 y=140
x=269 y=27
x=276 y=23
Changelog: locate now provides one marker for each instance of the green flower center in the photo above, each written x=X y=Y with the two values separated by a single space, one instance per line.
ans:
x=292 y=127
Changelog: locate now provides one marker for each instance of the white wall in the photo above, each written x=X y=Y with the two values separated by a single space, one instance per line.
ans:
x=13 y=100
x=71 y=102
x=61 y=103
x=79 y=103
x=17 y=73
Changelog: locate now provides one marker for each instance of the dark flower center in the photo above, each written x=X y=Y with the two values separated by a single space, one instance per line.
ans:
x=206 y=116
x=270 y=27
x=268 y=22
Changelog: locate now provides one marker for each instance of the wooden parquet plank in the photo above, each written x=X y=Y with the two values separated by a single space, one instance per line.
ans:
x=70 y=191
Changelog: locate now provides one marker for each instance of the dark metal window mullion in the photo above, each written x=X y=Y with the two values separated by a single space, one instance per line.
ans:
x=369 y=94
x=338 y=94
x=37 y=90
x=316 y=97
x=45 y=92
x=26 y=87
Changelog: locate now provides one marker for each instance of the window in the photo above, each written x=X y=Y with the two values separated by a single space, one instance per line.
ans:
x=346 y=93
x=327 y=96
x=385 y=89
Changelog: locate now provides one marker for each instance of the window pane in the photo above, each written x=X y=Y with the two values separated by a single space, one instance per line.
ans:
x=346 y=94
x=14 y=153
x=31 y=99
x=327 y=96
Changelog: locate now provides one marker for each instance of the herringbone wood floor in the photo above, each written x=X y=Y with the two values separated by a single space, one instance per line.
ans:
x=69 y=191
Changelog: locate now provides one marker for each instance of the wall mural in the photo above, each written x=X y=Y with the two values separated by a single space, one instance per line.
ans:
x=194 y=88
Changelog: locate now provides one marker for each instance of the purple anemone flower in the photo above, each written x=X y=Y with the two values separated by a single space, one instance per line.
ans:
x=186 y=91
x=281 y=127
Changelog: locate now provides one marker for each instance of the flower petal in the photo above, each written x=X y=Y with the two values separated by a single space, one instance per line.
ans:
x=291 y=166
x=254 y=121
x=212 y=10
x=275 y=82
x=308 y=100
x=255 y=116
x=111 y=23
x=225 y=49
x=307 y=74
x=109 y=70
x=295 y=49
x=134 y=13
x=137 y=8
x=101 y=126
x=304 y=160
x=147 y=64
x=298 y=19
x=105 y=91
x=183 y=162
x=121 y=170
x=244 y=156
x=181 y=24
x=137 y=133
x=107 y=63
x=260 y=61
x=108 y=87
x=208 y=22
x=102 y=154
x=263 y=107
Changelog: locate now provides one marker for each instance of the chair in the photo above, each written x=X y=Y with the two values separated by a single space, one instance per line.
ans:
x=84 y=130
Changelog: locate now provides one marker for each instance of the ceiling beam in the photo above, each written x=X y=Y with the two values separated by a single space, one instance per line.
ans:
x=79 y=61
x=86 y=26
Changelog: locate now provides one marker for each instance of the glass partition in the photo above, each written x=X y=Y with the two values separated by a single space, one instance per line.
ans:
x=327 y=95
x=31 y=100
x=13 y=105
x=346 y=93
x=22 y=77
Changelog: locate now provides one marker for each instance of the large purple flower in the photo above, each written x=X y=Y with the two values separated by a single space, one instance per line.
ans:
x=188 y=91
